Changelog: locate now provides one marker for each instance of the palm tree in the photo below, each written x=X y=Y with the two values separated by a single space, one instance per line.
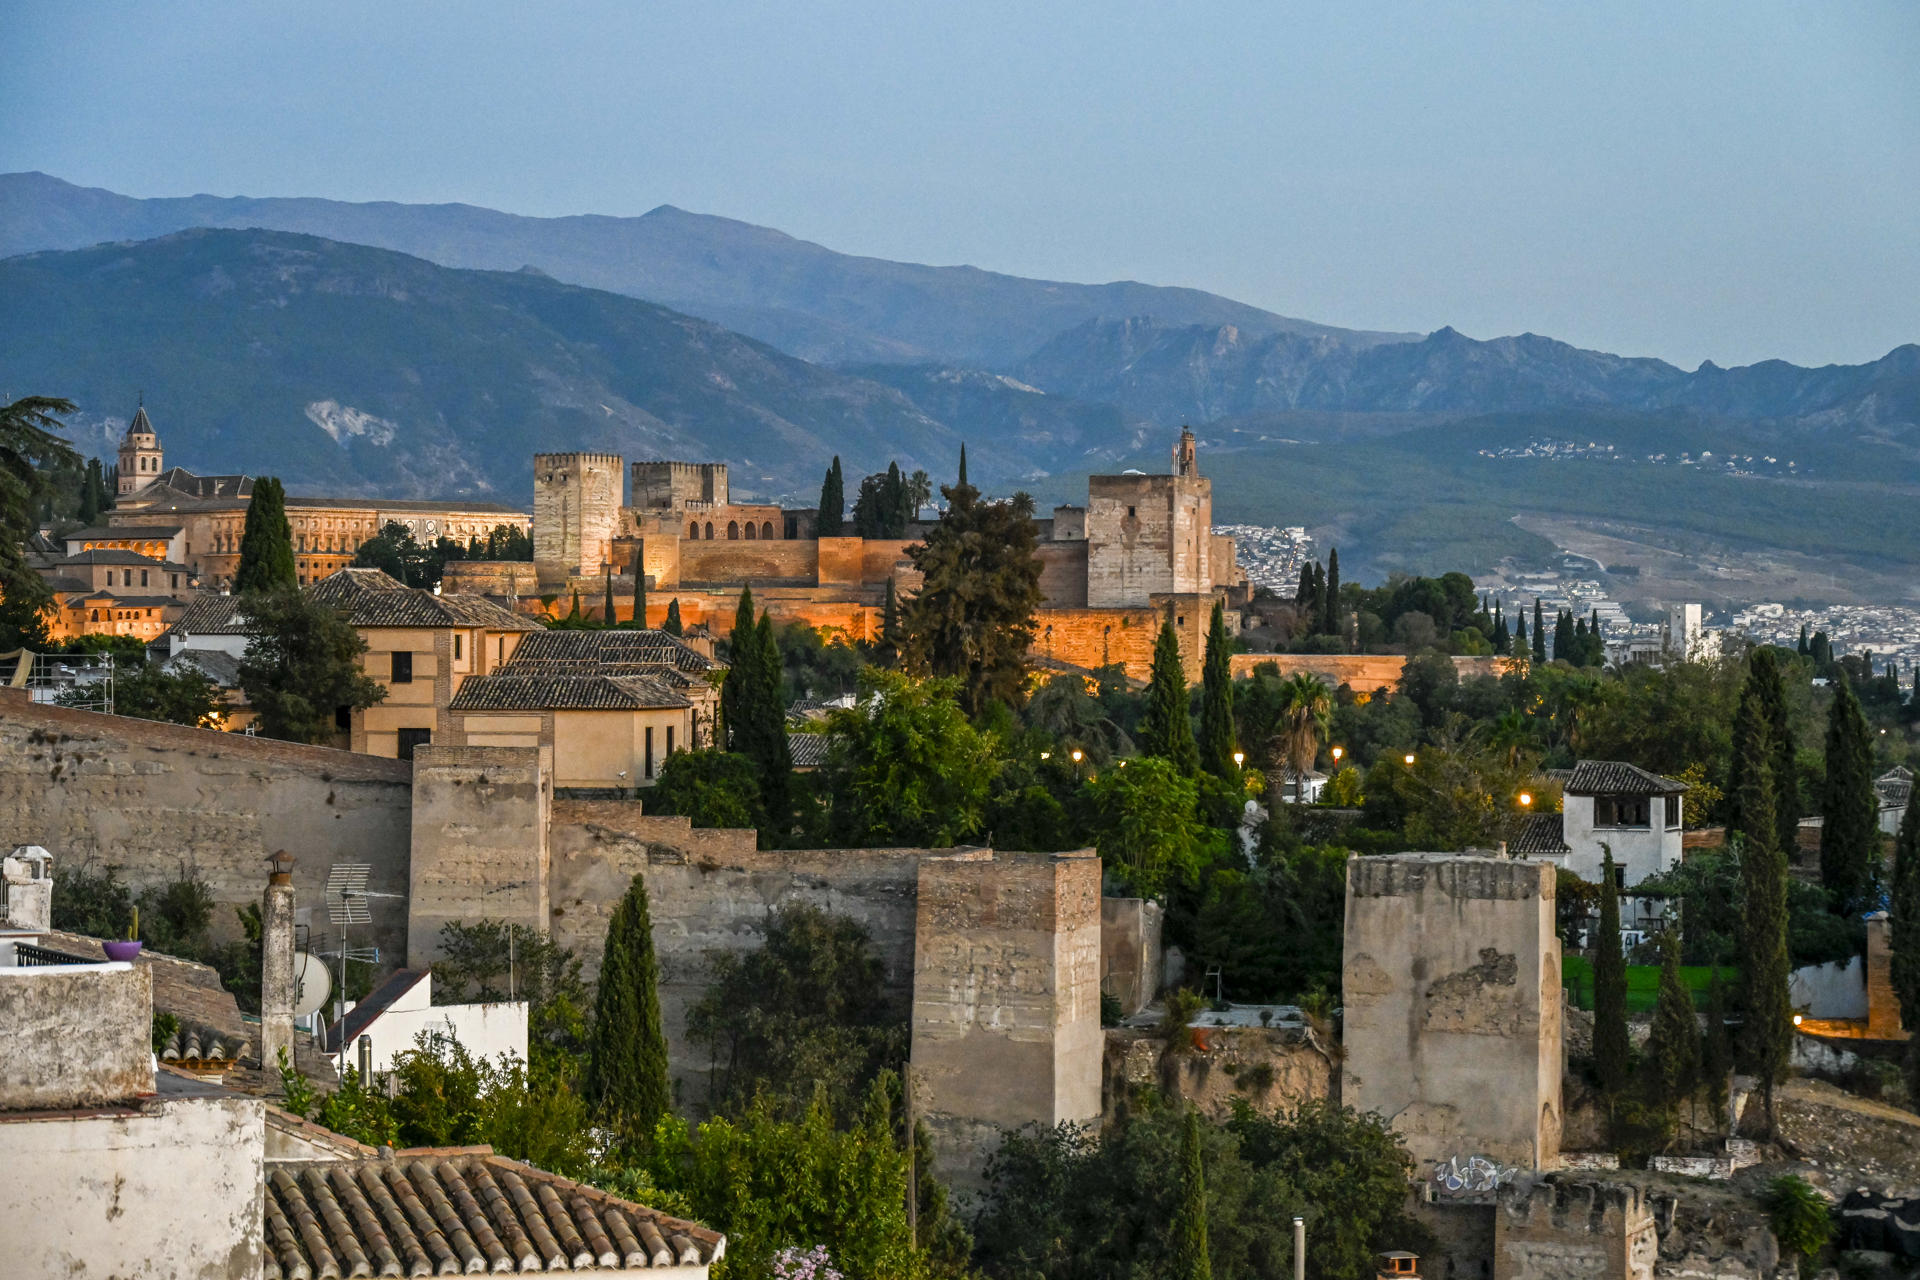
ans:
x=1306 y=706
x=919 y=491
x=1510 y=734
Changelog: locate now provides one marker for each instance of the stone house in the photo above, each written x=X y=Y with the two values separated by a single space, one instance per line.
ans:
x=114 y=591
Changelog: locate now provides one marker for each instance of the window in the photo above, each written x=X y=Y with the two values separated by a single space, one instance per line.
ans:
x=669 y=739
x=709 y=531
x=1619 y=876
x=1673 y=812
x=693 y=530
x=173 y=581
x=766 y=530
x=752 y=532
x=143 y=577
x=402 y=671
x=413 y=738
x=649 y=761
x=733 y=530
x=457 y=637
x=1620 y=811
x=1130 y=513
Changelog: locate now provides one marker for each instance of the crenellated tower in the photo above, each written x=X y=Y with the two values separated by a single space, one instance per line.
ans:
x=576 y=512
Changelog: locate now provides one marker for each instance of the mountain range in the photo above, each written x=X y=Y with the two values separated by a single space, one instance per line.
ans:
x=429 y=348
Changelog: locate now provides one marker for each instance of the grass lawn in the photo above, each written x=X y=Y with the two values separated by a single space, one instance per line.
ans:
x=1643 y=982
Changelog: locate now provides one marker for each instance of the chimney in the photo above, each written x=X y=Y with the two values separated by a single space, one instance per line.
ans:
x=26 y=889
x=277 y=992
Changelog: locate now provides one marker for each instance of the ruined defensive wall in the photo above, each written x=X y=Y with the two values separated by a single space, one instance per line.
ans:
x=1554 y=1229
x=152 y=798
x=1364 y=672
x=1451 y=983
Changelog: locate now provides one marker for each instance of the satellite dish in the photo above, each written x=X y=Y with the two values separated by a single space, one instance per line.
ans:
x=314 y=981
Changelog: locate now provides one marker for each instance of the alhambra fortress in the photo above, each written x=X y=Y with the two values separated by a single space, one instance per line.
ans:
x=1141 y=549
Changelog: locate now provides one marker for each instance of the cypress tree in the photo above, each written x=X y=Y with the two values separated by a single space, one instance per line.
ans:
x=640 y=585
x=1766 y=1033
x=1216 y=701
x=1563 y=636
x=1903 y=926
x=1539 y=633
x=1850 y=807
x=1596 y=643
x=1610 y=1046
x=1579 y=653
x=672 y=625
x=1330 y=615
x=770 y=749
x=1192 y=1259
x=266 y=542
x=1166 y=730
x=1501 y=640
x=627 y=1060
x=606 y=605
x=1763 y=673
x=1675 y=1043
x=1303 y=601
x=962 y=481
x=1716 y=1050
x=890 y=624
x=1803 y=639
x=93 y=493
x=833 y=503
x=1521 y=646
x=742 y=664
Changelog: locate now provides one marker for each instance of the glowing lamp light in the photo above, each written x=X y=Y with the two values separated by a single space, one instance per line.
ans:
x=1337 y=753
x=1409 y=757
x=1526 y=798
x=1796 y=1019
x=1046 y=755
x=1076 y=755
x=1239 y=758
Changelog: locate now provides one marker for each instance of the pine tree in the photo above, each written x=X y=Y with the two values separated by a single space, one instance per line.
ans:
x=672 y=625
x=1539 y=634
x=640 y=585
x=1850 y=808
x=1674 y=1046
x=1716 y=1049
x=1766 y=1033
x=1166 y=730
x=1610 y=1046
x=1216 y=701
x=1191 y=1257
x=627 y=1061
x=266 y=542
x=833 y=503
x=1330 y=613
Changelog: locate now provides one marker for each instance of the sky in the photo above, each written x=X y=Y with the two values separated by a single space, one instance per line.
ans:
x=1733 y=182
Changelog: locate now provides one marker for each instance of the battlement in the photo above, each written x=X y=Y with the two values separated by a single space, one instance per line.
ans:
x=1465 y=877
x=567 y=459
x=1559 y=1227
x=1565 y=1205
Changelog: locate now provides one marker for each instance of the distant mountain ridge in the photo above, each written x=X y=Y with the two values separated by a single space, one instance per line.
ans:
x=801 y=297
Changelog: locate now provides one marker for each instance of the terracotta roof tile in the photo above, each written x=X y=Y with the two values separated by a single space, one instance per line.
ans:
x=605 y=651
x=543 y=689
x=1613 y=778
x=1543 y=836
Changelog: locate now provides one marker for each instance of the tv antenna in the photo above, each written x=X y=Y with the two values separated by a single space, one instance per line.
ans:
x=346 y=898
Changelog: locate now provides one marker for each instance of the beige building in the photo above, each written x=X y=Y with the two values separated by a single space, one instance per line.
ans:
x=113 y=591
x=203 y=517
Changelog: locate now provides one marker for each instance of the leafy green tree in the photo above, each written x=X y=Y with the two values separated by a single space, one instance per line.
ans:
x=808 y=1008
x=1766 y=1032
x=1801 y=1220
x=1674 y=1047
x=710 y=788
x=1141 y=819
x=883 y=507
x=301 y=671
x=904 y=765
x=1216 y=701
x=492 y=960
x=672 y=626
x=627 y=1065
x=266 y=542
x=1850 y=808
x=28 y=449
x=442 y=1096
x=1191 y=1260
x=147 y=691
x=395 y=552
x=972 y=618
x=1610 y=1046
x=1167 y=729
x=833 y=503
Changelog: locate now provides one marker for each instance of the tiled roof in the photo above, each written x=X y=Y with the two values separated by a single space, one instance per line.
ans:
x=611 y=649
x=121 y=533
x=196 y=1046
x=216 y=665
x=1544 y=836
x=445 y=1213
x=513 y=688
x=809 y=750
x=378 y=1002
x=372 y=598
x=213 y=616
x=1612 y=778
x=115 y=555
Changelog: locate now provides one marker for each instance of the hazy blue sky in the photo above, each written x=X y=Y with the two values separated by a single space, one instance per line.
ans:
x=1729 y=182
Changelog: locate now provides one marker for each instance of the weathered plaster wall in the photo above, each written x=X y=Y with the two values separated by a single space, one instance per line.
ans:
x=1272 y=1068
x=170 y=1190
x=1006 y=1005
x=1131 y=957
x=151 y=798
x=576 y=511
x=1365 y=672
x=479 y=849
x=75 y=1035
x=1569 y=1227
x=1451 y=983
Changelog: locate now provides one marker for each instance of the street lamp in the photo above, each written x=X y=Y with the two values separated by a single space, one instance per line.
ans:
x=1526 y=799
x=1046 y=755
x=1239 y=759
x=1409 y=757
x=1337 y=753
x=1076 y=755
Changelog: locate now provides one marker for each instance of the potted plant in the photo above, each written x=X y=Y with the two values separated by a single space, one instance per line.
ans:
x=129 y=947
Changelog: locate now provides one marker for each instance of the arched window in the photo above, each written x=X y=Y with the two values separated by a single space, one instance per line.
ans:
x=96 y=615
x=733 y=529
x=693 y=530
x=752 y=532
x=709 y=531
x=766 y=530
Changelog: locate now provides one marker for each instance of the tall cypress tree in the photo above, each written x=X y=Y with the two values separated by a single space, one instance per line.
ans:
x=833 y=503
x=736 y=688
x=1904 y=928
x=1166 y=729
x=890 y=624
x=93 y=492
x=640 y=584
x=1766 y=1034
x=266 y=542
x=1330 y=613
x=962 y=481
x=1674 y=1046
x=1192 y=1259
x=1850 y=807
x=1610 y=1046
x=1521 y=646
x=606 y=605
x=672 y=625
x=1716 y=1049
x=1763 y=673
x=1803 y=639
x=1539 y=633
x=1303 y=601
x=1563 y=637
x=627 y=1060
x=1216 y=701
x=770 y=749
x=1501 y=640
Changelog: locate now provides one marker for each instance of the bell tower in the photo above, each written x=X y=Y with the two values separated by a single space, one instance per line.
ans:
x=140 y=457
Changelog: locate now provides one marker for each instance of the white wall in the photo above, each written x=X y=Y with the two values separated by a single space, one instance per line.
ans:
x=1643 y=851
x=168 y=1192
x=1830 y=990
x=486 y=1030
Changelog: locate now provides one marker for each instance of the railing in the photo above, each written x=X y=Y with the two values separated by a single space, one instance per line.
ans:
x=28 y=956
